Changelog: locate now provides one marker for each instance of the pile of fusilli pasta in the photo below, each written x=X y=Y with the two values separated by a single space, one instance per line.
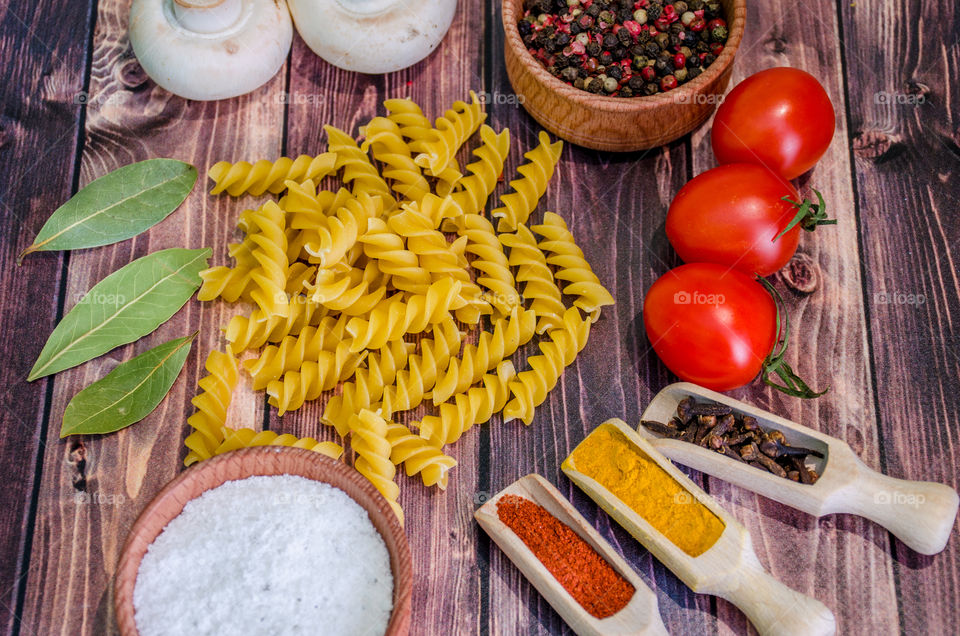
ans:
x=338 y=280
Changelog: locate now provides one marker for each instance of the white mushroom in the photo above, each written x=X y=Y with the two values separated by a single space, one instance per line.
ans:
x=373 y=36
x=210 y=49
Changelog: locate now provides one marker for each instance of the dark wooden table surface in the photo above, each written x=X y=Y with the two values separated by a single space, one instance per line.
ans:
x=77 y=105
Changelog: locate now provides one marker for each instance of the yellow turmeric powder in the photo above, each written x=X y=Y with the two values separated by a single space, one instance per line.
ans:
x=609 y=458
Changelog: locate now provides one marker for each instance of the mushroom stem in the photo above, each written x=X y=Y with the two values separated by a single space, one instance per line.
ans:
x=207 y=16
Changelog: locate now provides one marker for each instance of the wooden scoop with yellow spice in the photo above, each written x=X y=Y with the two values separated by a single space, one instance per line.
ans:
x=687 y=530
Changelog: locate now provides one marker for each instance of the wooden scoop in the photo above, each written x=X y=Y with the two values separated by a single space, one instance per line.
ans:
x=728 y=569
x=640 y=616
x=919 y=513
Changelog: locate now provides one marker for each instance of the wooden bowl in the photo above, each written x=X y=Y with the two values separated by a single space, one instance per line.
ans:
x=264 y=460
x=617 y=123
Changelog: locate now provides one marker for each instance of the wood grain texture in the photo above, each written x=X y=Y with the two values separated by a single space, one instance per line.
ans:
x=902 y=99
x=92 y=488
x=38 y=142
x=828 y=349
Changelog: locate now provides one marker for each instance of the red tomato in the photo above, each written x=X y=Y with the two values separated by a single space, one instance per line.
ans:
x=730 y=215
x=781 y=118
x=710 y=325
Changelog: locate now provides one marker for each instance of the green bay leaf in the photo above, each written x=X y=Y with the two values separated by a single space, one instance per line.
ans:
x=126 y=305
x=127 y=394
x=117 y=206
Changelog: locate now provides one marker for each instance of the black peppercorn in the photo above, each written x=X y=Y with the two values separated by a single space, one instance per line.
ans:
x=615 y=72
x=711 y=10
x=580 y=83
x=606 y=58
x=690 y=38
x=693 y=61
x=593 y=10
x=695 y=5
x=651 y=89
x=593 y=49
x=702 y=47
x=676 y=27
x=693 y=72
x=575 y=28
x=709 y=59
x=626 y=91
x=624 y=36
x=653 y=11
x=610 y=41
x=582 y=73
x=680 y=6
x=662 y=67
x=653 y=49
x=675 y=41
x=595 y=85
x=563 y=39
x=569 y=74
x=643 y=37
x=524 y=27
x=636 y=83
x=620 y=52
x=662 y=40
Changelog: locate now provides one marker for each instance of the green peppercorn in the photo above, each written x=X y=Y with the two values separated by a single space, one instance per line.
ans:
x=573 y=3
x=639 y=61
x=695 y=5
x=662 y=40
x=681 y=74
x=718 y=34
x=607 y=17
x=651 y=89
x=580 y=83
x=680 y=6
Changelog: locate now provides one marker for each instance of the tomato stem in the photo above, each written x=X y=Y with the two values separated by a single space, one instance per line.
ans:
x=809 y=215
x=775 y=363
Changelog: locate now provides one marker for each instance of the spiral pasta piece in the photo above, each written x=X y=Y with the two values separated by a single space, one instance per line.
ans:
x=395 y=317
x=247 y=437
x=313 y=377
x=384 y=246
x=537 y=279
x=307 y=208
x=299 y=276
x=465 y=410
x=457 y=124
x=572 y=267
x=368 y=437
x=420 y=376
x=389 y=148
x=418 y=456
x=536 y=173
x=358 y=171
x=508 y=335
x=341 y=231
x=353 y=293
x=491 y=263
x=255 y=330
x=479 y=185
x=368 y=385
x=293 y=351
x=230 y=283
x=210 y=419
x=436 y=257
x=270 y=275
x=531 y=387
x=262 y=176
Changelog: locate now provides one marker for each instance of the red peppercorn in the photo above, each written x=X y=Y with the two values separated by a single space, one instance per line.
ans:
x=662 y=23
x=679 y=60
x=715 y=23
x=697 y=25
x=716 y=48
x=669 y=10
x=668 y=82
x=648 y=73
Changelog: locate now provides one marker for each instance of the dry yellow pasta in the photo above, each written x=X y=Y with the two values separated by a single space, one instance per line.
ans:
x=341 y=280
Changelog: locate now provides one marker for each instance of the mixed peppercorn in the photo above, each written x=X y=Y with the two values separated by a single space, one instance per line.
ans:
x=625 y=48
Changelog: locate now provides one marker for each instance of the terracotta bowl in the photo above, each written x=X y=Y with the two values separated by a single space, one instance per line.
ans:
x=264 y=460
x=616 y=123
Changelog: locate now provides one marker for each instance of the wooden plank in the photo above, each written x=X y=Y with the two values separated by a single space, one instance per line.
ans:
x=39 y=129
x=92 y=488
x=614 y=205
x=903 y=91
x=443 y=536
x=841 y=560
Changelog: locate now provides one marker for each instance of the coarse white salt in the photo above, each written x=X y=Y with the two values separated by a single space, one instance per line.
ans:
x=266 y=555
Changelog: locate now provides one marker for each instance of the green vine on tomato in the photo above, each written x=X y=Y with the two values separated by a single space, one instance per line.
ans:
x=809 y=215
x=775 y=363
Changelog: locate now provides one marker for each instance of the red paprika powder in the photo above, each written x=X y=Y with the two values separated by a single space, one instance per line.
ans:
x=572 y=561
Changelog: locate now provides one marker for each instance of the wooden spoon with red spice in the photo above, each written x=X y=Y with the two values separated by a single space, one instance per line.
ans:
x=553 y=543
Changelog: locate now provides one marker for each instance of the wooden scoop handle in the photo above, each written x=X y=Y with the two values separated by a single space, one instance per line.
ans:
x=919 y=513
x=775 y=609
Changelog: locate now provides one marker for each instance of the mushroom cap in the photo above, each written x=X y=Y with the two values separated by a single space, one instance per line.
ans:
x=209 y=64
x=372 y=36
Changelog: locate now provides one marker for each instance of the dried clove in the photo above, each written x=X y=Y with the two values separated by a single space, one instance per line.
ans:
x=718 y=428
